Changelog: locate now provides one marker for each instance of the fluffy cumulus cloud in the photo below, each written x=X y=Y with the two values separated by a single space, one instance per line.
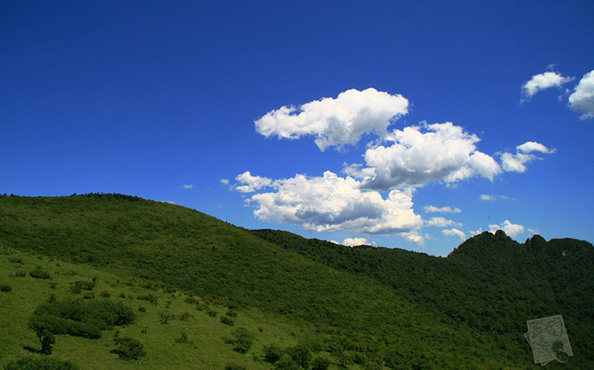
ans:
x=332 y=203
x=433 y=209
x=513 y=230
x=542 y=81
x=248 y=183
x=454 y=233
x=422 y=154
x=352 y=242
x=582 y=99
x=336 y=122
x=524 y=154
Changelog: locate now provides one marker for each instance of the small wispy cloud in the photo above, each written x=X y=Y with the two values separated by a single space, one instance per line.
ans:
x=433 y=209
x=442 y=222
x=495 y=197
x=187 y=186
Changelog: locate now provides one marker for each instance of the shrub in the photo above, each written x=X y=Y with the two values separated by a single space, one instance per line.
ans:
x=5 y=288
x=272 y=353
x=149 y=297
x=286 y=363
x=183 y=338
x=227 y=320
x=105 y=294
x=128 y=348
x=165 y=317
x=20 y=273
x=16 y=260
x=185 y=316
x=242 y=340
x=320 y=363
x=39 y=364
x=39 y=273
x=78 y=286
x=300 y=354
x=88 y=295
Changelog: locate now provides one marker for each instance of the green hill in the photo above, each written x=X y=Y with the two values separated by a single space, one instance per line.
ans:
x=368 y=307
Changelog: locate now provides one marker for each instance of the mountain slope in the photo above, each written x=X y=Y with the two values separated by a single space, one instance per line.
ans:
x=490 y=283
x=393 y=306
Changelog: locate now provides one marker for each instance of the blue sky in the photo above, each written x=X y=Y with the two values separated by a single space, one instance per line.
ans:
x=402 y=124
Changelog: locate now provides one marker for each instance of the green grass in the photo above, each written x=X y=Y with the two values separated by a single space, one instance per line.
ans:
x=205 y=347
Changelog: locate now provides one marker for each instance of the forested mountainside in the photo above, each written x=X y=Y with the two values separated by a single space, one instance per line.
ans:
x=398 y=308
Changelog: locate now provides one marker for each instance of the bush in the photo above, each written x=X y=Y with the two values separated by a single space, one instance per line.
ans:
x=129 y=348
x=165 y=317
x=320 y=363
x=30 y=363
x=242 y=340
x=183 y=338
x=286 y=363
x=5 y=288
x=185 y=316
x=39 y=273
x=272 y=353
x=227 y=320
x=78 y=286
x=300 y=354
x=16 y=260
x=149 y=297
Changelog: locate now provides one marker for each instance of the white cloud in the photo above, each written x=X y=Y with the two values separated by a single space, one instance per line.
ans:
x=336 y=122
x=442 y=222
x=532 y=146
x=494 y=197
x=443 y=152
x=251 y=183
x=512 y=230
x=225 y=181
x=332 y=203
x=542 y=81
x=352 y=242
x=517 y=162
x=582 y=99
x=187 y=186
x=455 y=233
x=433 y=209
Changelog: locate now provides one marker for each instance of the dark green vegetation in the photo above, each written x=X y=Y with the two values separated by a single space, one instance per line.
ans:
x=358 y=307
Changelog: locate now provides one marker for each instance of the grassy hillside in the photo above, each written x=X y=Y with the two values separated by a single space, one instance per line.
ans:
x=370 y=306
x=189 y=316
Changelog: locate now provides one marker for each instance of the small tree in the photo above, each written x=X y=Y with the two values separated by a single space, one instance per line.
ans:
x=43 y=330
